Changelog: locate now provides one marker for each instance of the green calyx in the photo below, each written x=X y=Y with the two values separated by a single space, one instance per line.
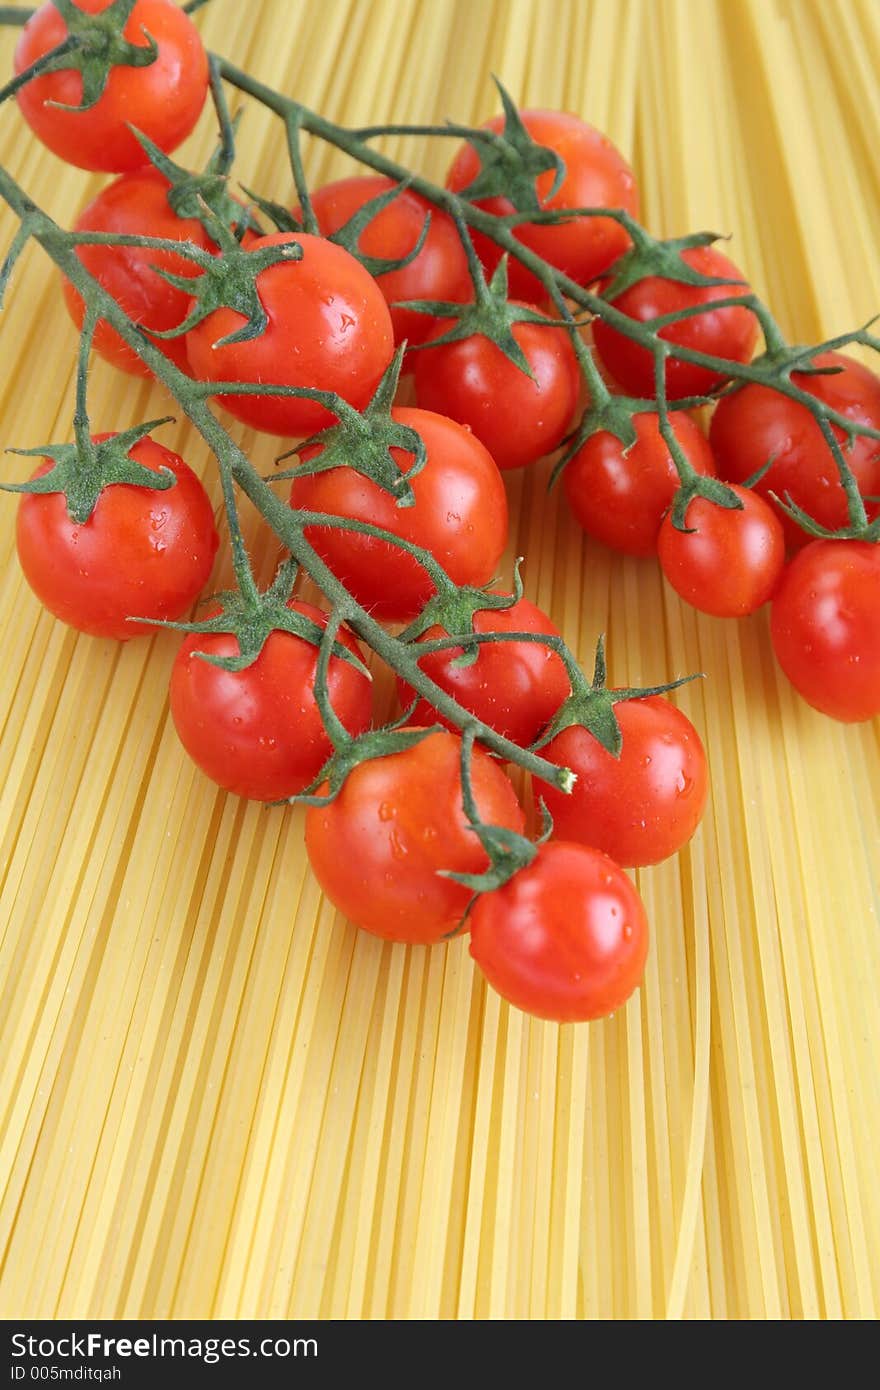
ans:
x=591 y=706
x=453 y=610
x=252 y=617
x=650 y=257
x=349 y=234
x=363 y=441
x=82 y=470
x=702 y=485
x=609 y=415
x=95 y=46
x=228 y=281
x=511 y=161
x=349 y=753
x=203 y=197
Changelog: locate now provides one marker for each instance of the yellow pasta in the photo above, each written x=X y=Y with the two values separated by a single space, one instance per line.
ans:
x=217 y=1099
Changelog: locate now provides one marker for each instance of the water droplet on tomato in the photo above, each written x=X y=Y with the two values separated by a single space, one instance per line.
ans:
x=683 y=784
x=387 y=811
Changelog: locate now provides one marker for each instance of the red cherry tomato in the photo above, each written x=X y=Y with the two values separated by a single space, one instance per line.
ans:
x=565 y=938
x=137 y=205
x=440 y=269
x=620 y=496
x=378 y=849
x=730 y=333
x=142 y=552
x=258 y=732
x=329 y=328
x=514 y=687
x=163 y=99
x=757 y=424
x=641 y=807
x=518 y=418
x=460 y=516
x=728 y=562
x=825 y=627
x=596 y=176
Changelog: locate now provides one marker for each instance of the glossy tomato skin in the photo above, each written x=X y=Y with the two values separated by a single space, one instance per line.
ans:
x=620 y=497
x=258 y=732
x=757 y=424
x=731 y=333
x=825 y=627
x=460 y=516
x=596 y=175
x=514 y=687
x=566 y=938
x=639 y=808
x=377 y=849
x=518 y=418
x=329 y=328
x=163 y=99
x=142 y=552
x=137 y=205
x=728 y=562
x=438 y=272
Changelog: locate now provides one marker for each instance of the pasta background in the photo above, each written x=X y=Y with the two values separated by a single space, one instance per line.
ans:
x=216 y=1097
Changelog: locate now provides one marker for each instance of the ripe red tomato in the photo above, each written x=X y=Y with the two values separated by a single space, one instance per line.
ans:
x=641 y=807
x=757 y=424
x=163 y=99
x=329 y=328
x=378 y=848
x=137 y=205
x=596 y=176
x=825 y=627
x=460 y=516
x=620 y=496
x=565 y=938
x=439 y=271
x=515 y=687
x=258 y=732
x=518 y=418
x=728 y=562
x=730 y=333
x=141 y=552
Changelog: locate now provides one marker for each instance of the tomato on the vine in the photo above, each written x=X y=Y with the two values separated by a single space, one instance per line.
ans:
x=163 y=99
x=143 y=552
x=757 y=425
x=565 y=938
x=519 y=418
x=137 y=205
x=459 y=516
x=620 y=495
x=379 y=848
x=439 y=271
x=825 y=627
x=728 y=561
x=514 y=687
x=642 y=806
x=596 y=176
x=259 y=732
x=328 y=328
x=730 y=333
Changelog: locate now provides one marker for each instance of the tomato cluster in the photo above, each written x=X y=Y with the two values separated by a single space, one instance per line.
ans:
x=402 y=510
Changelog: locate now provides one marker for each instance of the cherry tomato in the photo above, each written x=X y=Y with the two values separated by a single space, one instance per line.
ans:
x=163 y=99
x=620 y=496
x=329 y=328
x=518 y=418
x=596 y=175
x=460 y=516
x=730 y=333
x=564 y=939
x=258 y=732
x=825 y=627
x=137 y=205
x=378 y=848
x=728 y=562
x=757 y=424
x=514 y=687
x=439 y=271
x=641 y=807
x=142 y=552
